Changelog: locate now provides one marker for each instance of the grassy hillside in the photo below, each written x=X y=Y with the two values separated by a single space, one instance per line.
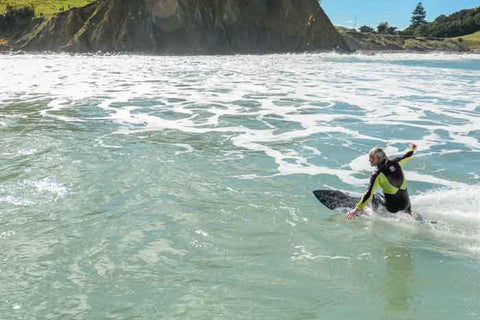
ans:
x=45 y=7
x=472 y=40
x=457 y=24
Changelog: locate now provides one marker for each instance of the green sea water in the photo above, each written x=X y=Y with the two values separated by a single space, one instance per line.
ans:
x=141 y=187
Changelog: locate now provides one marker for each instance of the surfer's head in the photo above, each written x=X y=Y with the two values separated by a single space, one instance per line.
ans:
x=376 y=156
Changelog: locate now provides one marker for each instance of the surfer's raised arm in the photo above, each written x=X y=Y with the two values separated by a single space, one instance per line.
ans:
x=407 y=156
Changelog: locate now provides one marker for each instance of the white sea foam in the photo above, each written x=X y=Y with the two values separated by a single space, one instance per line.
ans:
x=16 y=201
x=187 y=148
x=303 y=253
x=457 y=211
x=27 y=152
x=6 y=234
x=48 y=185
x=304 y=98
x=454 y=203
x=30 y=192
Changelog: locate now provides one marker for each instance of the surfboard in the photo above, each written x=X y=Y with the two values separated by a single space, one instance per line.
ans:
x=336 y=199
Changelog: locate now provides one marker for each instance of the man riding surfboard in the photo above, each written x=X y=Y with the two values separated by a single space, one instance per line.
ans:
x=388 y=176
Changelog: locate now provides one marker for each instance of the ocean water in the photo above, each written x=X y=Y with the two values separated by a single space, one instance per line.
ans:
x=141 y=187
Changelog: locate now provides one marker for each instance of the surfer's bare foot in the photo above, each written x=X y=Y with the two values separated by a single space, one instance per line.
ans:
x=416 y=216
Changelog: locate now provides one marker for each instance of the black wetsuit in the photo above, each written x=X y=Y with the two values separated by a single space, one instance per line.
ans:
x=389 y=176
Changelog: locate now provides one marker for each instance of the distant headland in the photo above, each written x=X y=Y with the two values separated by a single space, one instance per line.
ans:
x=459 y=31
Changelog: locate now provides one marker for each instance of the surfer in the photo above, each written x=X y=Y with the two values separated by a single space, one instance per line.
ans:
x=389 y=176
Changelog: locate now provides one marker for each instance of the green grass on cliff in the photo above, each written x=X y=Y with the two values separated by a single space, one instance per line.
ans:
x=45 y=7
x=472 y=40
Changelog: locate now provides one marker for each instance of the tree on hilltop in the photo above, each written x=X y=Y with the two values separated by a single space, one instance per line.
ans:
x=366 y=29
x=419 y=15
x=385 y=28
x=463 y=22
x=382 y=27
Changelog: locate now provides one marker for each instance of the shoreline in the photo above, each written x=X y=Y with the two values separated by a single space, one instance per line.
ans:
x=10 y=51
x=359 y=47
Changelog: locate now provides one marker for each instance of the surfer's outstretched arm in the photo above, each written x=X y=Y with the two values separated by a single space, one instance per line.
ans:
x=407 y=156
x=366 y=197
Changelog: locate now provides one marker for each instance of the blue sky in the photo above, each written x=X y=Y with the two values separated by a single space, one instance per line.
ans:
x=396 y=13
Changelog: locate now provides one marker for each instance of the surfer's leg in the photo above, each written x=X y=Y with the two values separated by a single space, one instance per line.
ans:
x=393 y=203
x=378 y=201
x=408 y=209
x=398 y=202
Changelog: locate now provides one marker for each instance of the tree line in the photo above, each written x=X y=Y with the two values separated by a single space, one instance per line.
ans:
x=457 y=24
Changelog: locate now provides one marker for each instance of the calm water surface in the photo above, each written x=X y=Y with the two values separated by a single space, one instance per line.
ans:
x=138 y=187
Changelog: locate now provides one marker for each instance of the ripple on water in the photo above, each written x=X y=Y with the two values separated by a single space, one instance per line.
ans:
x=30 y=192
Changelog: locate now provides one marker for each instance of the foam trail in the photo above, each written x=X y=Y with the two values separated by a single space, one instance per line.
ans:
x=459 y=203
x=457 y=211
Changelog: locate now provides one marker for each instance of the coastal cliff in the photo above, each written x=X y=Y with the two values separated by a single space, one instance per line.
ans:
x=186 y=27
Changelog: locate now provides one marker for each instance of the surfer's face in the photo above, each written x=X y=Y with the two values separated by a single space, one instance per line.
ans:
x=374 y=159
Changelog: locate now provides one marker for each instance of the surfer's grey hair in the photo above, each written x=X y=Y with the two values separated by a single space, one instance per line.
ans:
x=377 y=151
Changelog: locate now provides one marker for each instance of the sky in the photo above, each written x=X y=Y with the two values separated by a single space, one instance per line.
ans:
x=396 y=12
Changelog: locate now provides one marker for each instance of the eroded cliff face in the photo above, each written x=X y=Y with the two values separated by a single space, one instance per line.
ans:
x=187 y=27
x=383 y=42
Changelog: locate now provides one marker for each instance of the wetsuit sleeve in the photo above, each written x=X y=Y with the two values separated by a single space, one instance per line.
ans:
x=369 y=194
x=406 y=157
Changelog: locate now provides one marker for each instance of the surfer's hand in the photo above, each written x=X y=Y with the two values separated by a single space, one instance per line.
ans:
x=413 y=146
x=351 y=214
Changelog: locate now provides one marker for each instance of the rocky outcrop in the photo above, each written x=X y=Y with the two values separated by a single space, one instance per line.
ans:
x=4 y=45
x=187 y=27
x=383 y=42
